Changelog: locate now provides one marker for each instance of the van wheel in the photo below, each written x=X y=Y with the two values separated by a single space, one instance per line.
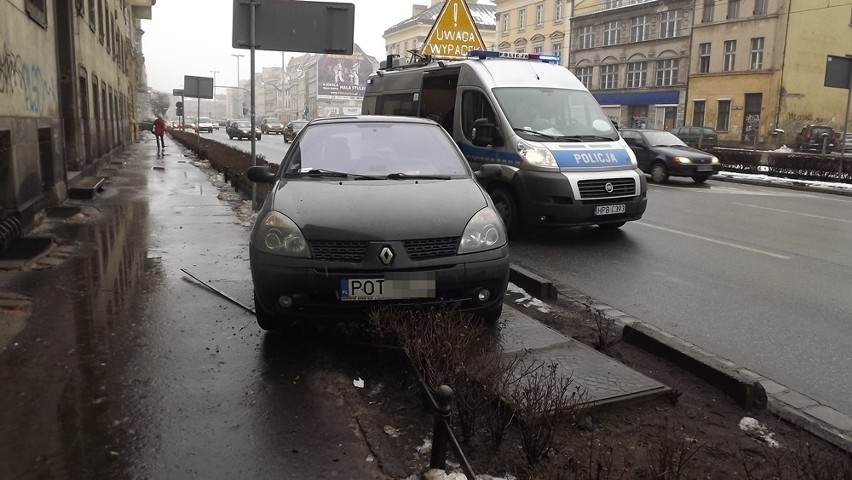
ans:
x=699 y=178
x=507 y=207
x=659 y=173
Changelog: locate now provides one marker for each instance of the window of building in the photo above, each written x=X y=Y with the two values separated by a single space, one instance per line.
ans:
x=92 y=14
x=539 y=15
x=610 y=4
x=610 y=33
x=636 y=73
x=730 y=55
x=638 y=28
x=557 y=50
x=609 y=76
x=101 y=19
x=756 y=57
x=537 y=49
x=587 y=37
x=724 y=115
x=698 y=113
x=670 y=24
x=584 y=74
x=522 y=18
x=761 y=7
x=558 y=14
x=505 y=17
x=703 y=58
x=707 y=14
x=733 y=9
x=37 y=11
x=667 y=72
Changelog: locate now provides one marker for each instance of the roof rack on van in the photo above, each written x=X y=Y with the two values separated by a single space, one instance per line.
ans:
x=483 y=54
x=395 y=62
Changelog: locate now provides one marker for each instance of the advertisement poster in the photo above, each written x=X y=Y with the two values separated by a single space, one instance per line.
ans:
x=343 y=77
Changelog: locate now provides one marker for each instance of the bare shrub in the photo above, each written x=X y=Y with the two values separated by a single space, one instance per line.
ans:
x=604 y=329
x=802 y=462
x=543 y=401
x=598 y=462
x=669 y=459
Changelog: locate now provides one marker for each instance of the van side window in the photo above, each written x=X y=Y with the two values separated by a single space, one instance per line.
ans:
x=399 y=104
x=475 y=105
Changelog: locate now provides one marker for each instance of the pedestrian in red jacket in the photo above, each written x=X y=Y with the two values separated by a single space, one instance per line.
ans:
x=159 y=131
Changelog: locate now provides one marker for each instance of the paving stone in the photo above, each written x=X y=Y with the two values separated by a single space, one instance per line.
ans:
x=521 y=332
x=830 y=416
x=772 y=388
x=796 y=399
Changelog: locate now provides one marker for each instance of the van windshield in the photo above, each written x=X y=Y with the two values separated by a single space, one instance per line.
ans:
x=558 y=114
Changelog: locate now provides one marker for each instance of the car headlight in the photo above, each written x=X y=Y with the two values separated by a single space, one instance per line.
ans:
x=244 y=131
x=682 y=160
x=632 y=156
x=714 y=160
x=537 y=156
x=484 y=231
x=279 y=235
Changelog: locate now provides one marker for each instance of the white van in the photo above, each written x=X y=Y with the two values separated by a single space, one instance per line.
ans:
x=563 y=162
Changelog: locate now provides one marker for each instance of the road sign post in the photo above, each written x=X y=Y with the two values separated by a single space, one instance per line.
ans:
x=838 y=74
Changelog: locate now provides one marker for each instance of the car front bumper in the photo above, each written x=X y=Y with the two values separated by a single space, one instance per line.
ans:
x=694 y=170
x=314 y=285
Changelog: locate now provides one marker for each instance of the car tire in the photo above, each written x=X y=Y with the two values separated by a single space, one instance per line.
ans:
x=659 y=173
x=492 y=317
x=700 y=178
x=257 y=138
x=285 y=139
x=507 y=207
x=230 y=137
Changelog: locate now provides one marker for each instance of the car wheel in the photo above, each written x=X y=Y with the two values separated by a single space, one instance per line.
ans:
x=611 y=226
x=659 y=173
x=699 y=178
x=285 y=139
x=258 y=137
x=265 y=320
x=491 y=318
x=230 y=137
x=507 y=207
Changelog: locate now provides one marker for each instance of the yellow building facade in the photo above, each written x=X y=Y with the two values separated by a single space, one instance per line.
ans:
x=534 y=26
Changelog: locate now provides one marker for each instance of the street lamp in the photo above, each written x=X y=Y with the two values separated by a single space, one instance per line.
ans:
x=215 y=113
x=239 y=56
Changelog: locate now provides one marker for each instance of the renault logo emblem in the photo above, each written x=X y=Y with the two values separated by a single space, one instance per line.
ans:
x=386 y=255
x=608 y=187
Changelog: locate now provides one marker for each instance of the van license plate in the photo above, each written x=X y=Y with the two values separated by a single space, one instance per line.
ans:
x=610 y=209
x=365 y=289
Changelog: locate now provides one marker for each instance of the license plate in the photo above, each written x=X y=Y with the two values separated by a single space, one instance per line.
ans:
x=610 y=209
x=392 y=287
x=705 y=168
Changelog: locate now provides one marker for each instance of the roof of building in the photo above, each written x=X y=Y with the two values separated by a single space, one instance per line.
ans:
x=485 y=17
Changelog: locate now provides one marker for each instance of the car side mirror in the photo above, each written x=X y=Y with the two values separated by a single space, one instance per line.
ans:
x=260 y=174
x=488 y=171
x=485 y=133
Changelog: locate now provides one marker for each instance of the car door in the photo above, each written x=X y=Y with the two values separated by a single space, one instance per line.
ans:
x=637 y=143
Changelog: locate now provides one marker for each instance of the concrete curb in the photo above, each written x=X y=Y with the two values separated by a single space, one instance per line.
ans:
x=786 y=183
x=748 y=388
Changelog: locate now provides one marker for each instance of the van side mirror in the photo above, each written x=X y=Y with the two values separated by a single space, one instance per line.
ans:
x=485 y=133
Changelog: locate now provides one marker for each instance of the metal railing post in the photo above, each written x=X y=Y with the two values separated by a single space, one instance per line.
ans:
x=443 y=400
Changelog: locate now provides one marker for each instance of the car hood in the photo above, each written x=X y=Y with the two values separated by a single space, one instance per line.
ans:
x=693 y=153
x=379 y=209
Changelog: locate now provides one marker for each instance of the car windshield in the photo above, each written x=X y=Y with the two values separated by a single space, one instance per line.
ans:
x=205 y=120
x=555 y=114
x=273 y=121
x=242 y=124
x=665 y=139
x=376 y=150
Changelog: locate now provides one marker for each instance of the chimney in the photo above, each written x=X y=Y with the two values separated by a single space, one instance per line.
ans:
x=418 y=9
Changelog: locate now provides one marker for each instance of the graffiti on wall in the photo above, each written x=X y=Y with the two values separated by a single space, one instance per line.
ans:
x=21 y=79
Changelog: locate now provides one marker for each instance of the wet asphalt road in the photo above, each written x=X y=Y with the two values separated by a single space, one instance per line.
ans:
x=127 y=368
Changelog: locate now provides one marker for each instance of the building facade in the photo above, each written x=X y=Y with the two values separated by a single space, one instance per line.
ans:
x=70 y=75
x=534 y=27
x=759 y=65
x=634 y=58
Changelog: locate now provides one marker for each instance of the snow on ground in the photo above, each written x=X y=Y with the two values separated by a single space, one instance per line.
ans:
x=527 y=300
x=756 y=429
x=786 y=181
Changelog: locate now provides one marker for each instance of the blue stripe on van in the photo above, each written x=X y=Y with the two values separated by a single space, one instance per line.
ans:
x=610 y=157
x=490 y=155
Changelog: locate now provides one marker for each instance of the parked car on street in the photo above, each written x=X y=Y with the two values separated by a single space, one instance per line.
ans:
x=292 y=129
x=241 y=129
x=813 y=137
x=271 y=125
x=697 y=137
x=661 y=155
x=375 y=210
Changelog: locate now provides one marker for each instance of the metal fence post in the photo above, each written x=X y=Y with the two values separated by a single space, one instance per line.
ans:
x=443 y=400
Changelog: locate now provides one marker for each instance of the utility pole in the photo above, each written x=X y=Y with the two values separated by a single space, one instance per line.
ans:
x=215 y=113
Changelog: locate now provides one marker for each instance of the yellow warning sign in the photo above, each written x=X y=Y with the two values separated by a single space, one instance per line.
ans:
x=453 y=34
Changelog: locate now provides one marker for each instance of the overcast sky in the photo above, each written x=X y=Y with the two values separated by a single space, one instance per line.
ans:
x=193 y=37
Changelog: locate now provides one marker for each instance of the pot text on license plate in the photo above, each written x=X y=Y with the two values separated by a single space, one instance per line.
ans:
x=395 y=286
x=610 y=209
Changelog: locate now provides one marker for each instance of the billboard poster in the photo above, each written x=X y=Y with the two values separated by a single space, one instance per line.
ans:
x=343 y=77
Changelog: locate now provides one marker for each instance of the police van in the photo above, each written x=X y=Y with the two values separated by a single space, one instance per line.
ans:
x=563 y=163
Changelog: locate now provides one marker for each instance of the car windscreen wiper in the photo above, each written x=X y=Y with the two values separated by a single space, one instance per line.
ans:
x=534 y=132
x=584 y=138
x=321 y=172
x=406 y=176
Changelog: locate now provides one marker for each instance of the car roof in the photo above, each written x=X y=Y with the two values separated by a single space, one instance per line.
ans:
x=372 y=119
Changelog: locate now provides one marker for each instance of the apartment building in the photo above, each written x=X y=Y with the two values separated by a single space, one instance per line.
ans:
x=634 y=56
x=534 y=27
x=759 y=65
x=69 y=86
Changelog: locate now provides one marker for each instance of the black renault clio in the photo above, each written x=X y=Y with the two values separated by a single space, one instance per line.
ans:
x=373 y=210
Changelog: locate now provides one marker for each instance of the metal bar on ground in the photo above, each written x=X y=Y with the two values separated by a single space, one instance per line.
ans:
x=221 y=294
